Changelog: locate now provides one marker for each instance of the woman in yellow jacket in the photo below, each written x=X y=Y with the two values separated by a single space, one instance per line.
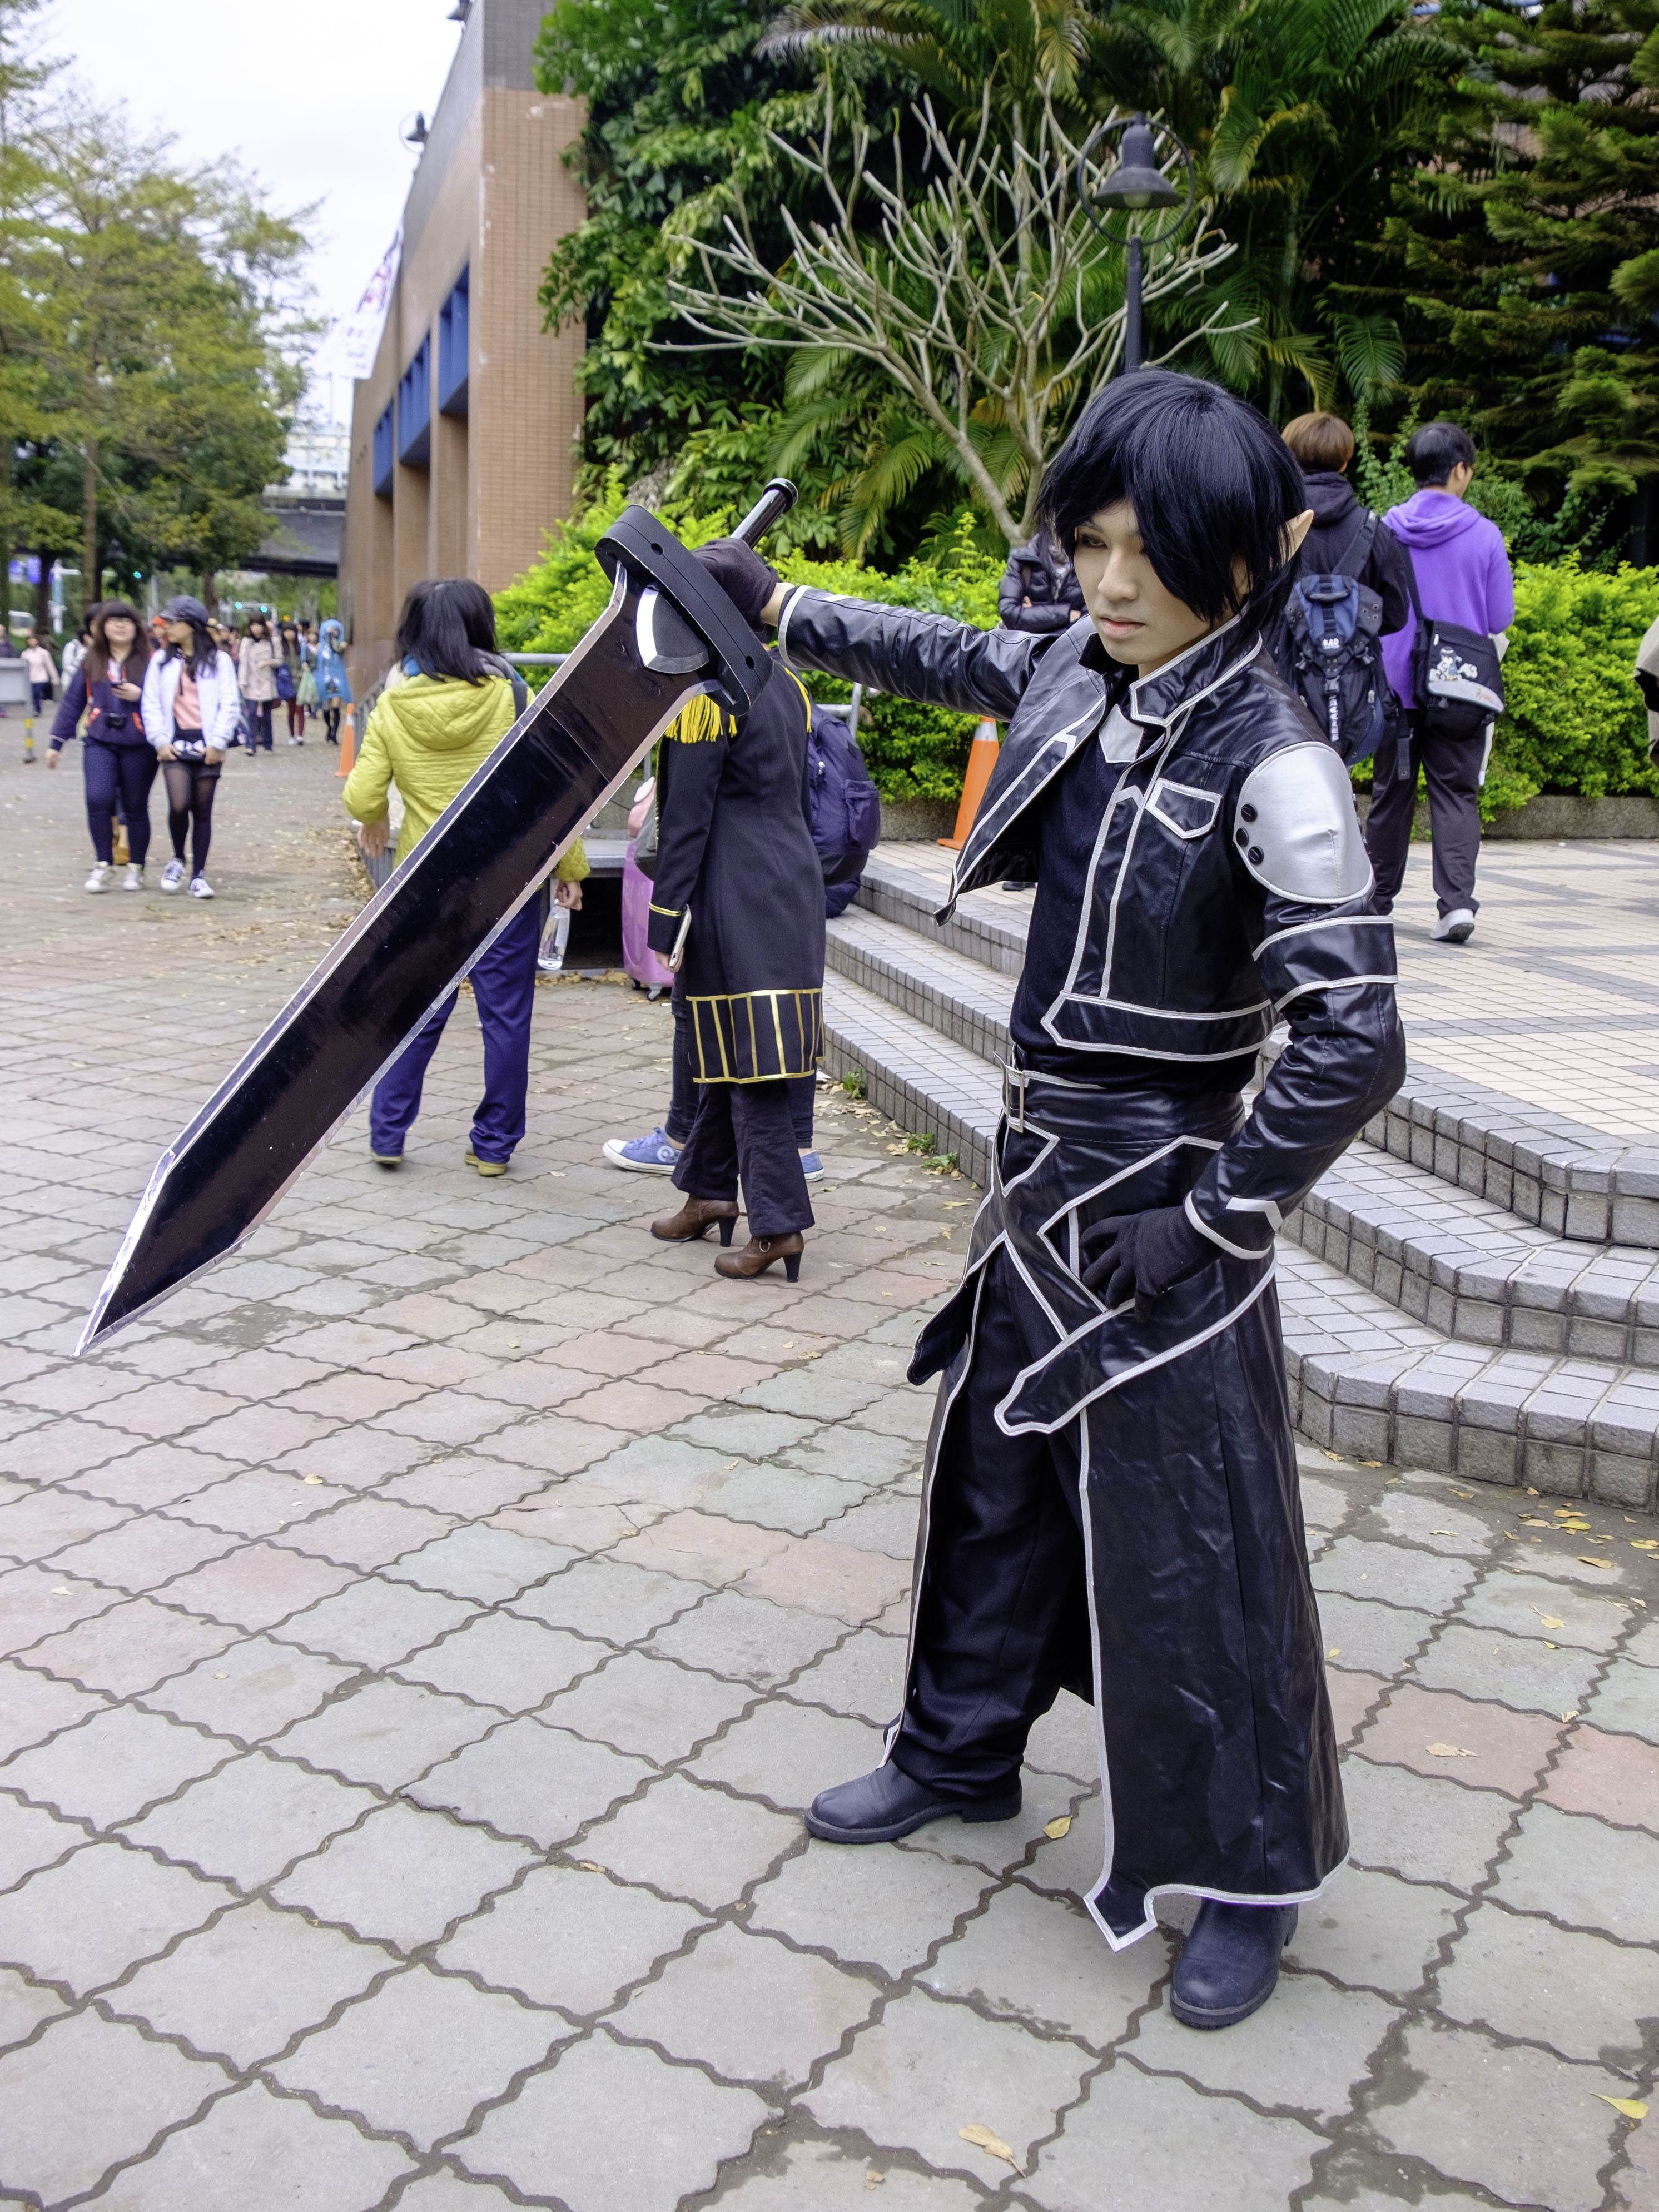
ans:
x=446 y=707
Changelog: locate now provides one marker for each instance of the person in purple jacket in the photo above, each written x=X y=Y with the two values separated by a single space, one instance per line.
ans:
x=1462 y=576
x=119 y=759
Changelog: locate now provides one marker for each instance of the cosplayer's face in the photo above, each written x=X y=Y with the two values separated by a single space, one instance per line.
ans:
x=1138 y=619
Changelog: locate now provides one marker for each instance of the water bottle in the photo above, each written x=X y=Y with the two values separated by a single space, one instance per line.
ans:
x=554 y=938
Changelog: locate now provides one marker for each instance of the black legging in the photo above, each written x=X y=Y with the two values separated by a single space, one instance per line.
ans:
x=259 y=714
x=331 y=713
x=191 y=786
x=125 y=772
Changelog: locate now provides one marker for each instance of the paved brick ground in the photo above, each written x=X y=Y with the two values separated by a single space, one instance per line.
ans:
x=421 y=1647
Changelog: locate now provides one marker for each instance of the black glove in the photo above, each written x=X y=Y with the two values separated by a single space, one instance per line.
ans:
x=741 y=574
x=1141 y=1255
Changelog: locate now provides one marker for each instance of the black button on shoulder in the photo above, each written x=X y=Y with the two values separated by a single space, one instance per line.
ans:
x=1254 y=856
x=1243 y=836
x=1247 y=812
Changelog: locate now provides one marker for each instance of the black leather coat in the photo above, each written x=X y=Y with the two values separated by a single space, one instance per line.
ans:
x=1228 y=889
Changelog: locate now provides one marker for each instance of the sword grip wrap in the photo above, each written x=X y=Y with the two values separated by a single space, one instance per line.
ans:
x=652 y=553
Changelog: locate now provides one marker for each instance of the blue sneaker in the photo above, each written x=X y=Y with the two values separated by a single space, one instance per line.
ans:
x=812 y=1166
x=652 y=1155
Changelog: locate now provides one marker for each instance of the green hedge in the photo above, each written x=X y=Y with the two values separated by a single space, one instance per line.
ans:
x=1576 y=722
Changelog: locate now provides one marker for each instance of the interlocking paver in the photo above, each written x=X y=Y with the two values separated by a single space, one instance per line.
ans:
x=1307 y=2056
x=1580 y=1995
x=34 y=1706
x=1142 y=2142
x=256 y=2148
x=391 y=2057
x=23 y=2006
x=1426 y=1830
x=130 y=1648
x=648 y=1706
x=249 y=1691
x=926 y=2069
x=568 y=1936
x=85 y=1921
x=748 y=2007
x=403 y=1876
x=243 y=1988
x=31 y=1837
x=1040 y=1959
x=883 y=1908
x=386 y=1733
x=610 y=1599
x=1582 y=1872
x=123 y=2088
x=1518 y=2122
x=114 y=1765
x=692 y=1843
x=1374 y=1931
x=527 y=1779
x=249 y=1819
x=559 y=2136
x=1615 y=1777
x=786 y=1754
x=863 y=1677
x=1519 y=1672
x=485 y=1564
x=1492 y=1747
x=258 y=1586
x=375 y=1622
x=497 y=1659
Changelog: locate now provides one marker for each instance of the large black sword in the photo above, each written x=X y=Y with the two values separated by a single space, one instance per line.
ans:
x=668 y=634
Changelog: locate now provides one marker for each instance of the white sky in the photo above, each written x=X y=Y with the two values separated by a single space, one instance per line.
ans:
x=307 y=93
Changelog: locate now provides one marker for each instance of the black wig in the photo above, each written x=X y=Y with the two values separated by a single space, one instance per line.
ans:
x=1212 y=483
x=447 y=626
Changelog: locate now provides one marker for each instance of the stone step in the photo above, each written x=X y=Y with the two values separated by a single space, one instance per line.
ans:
x=906 y=883
x=1473 y=1270
x=944 y=989
x=915 y=1074
x=1368 y=1382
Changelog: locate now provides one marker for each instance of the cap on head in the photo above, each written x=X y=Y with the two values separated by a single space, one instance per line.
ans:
x=184 y=608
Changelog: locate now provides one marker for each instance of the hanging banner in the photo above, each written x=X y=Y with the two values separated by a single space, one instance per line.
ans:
x=350 y=347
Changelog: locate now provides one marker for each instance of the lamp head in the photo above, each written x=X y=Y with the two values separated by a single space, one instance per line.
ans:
x=1137 y=181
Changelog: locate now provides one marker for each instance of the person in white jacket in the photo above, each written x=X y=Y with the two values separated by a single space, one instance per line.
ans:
x=191 y=710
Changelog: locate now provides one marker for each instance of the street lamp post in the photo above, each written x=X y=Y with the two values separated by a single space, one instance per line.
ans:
x=1135 y=183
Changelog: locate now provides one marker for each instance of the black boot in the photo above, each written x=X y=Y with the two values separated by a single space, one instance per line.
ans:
x=1229 y=1966
x=879 y=1808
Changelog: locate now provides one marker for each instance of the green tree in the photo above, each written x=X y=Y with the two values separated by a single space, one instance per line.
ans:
x=1521 y=261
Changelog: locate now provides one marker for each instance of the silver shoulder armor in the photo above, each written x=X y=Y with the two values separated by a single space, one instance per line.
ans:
x=1297 y=830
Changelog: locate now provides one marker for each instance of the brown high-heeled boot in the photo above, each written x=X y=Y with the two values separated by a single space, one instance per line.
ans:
x=758 y=1254
x=695 y=1218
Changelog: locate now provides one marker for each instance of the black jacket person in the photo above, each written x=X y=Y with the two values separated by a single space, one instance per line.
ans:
x=735 y=853
x=1110 y=1500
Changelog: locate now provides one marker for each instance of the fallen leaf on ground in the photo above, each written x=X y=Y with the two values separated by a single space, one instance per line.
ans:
x=1631 y=2107
x=1643 y=1544
x=1571 y=1716
x=1370 y=1462
x=873 y=2179
x=1443 y=1532
x=1585 y=1560
x=311 y=1477
x=1449 y=1751
x=1335 y=1651
x=590 y=1866
x=1056 y=1829
x=1550 y=1619
x=992 y=2146
x=1462 y=1493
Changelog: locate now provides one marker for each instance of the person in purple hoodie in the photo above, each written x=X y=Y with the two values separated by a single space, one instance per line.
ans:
x=1462 y=576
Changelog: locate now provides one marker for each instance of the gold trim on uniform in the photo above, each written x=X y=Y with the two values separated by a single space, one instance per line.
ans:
x=756 y=1036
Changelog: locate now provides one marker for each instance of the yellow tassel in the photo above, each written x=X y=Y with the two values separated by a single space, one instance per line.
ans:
x=699 y=723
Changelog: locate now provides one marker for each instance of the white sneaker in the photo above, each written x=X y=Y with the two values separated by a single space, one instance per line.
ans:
x=200 y=887
x=172 y=875
x=135 y=877
x=1453 y=928
x=99 y=880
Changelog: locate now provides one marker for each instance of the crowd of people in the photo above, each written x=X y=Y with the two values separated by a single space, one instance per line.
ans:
x=174 y=696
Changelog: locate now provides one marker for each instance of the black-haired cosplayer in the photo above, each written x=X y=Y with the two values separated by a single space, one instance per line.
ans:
x=1111 y=1500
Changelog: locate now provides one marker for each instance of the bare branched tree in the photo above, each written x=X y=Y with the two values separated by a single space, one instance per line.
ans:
x=979 y=287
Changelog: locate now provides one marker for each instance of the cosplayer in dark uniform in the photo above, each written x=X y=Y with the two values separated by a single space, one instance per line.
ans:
x=735 y=848
x=1110 y=1500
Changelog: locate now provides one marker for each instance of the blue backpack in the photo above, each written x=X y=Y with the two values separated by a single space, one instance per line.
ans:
x=844 y=806
x=1329 y=651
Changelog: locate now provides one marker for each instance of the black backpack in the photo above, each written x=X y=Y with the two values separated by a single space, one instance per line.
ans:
x=1329 y=652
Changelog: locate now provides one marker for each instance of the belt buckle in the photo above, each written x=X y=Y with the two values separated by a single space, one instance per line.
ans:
x=1014 y=1080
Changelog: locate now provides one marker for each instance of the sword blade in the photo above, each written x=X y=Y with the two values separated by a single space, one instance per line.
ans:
x=489 y=851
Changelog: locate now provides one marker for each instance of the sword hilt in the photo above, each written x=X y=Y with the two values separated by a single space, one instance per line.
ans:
x=768 y=510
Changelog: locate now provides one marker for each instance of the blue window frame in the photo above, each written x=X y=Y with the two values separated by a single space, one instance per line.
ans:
x=383 y=453
x=415 y=408
x=453 y=349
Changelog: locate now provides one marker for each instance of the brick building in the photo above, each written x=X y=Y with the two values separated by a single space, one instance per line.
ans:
x=462 y=440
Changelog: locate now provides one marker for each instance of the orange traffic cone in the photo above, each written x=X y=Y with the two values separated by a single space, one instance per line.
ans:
x=981 y=759
x=348 y=745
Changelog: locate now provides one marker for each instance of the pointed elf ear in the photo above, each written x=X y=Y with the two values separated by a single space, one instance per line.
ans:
x=1295 y=530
